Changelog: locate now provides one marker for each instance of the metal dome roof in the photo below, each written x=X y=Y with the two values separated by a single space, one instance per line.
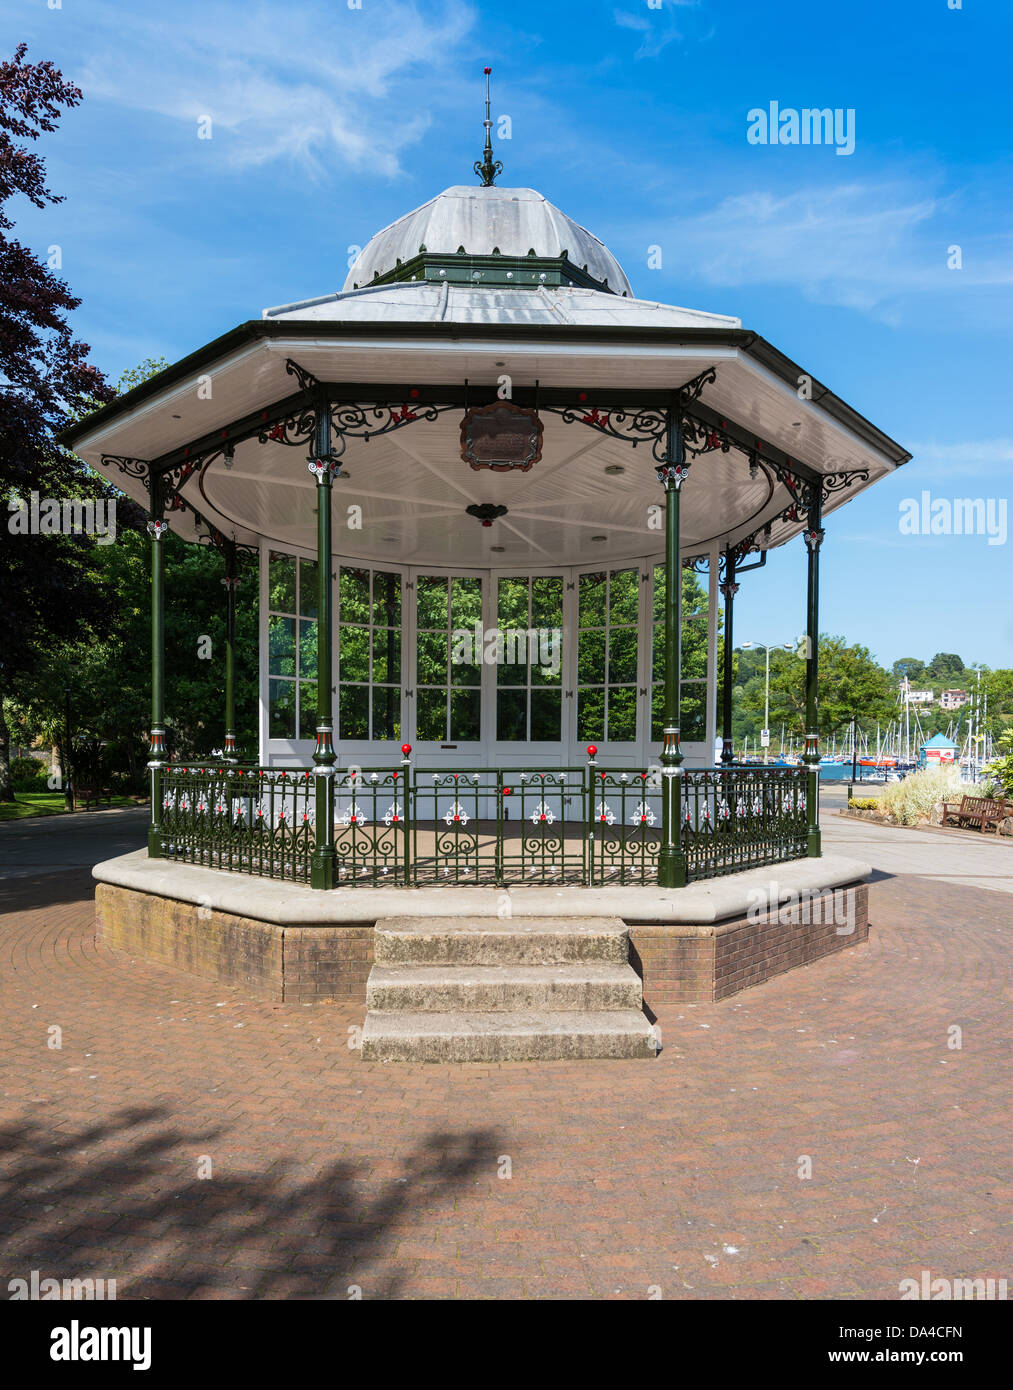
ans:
x=512 y=221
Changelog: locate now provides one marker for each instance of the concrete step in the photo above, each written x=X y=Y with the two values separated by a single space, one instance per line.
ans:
x=592 y=985
x=514 y=1037
x=494 y=941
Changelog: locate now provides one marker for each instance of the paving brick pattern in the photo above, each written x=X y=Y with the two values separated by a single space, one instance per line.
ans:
x=519 y=1180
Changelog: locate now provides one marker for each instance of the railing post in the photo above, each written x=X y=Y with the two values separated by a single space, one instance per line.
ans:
x=321 y=465
x=729 y=589
x=590 y=777
x=813 y=539
x=499 y=868
x=156 y=761
x=406 y=789
x=672 y=474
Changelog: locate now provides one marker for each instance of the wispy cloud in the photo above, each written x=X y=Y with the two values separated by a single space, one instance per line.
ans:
x=296 y=82
x=964 y=458
x=658 y=25
x=865 y=245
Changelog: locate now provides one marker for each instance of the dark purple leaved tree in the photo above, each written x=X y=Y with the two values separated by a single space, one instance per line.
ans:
x=49 y=590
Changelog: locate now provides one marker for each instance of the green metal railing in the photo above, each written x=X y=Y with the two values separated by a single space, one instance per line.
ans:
x=412 y=826
x=254 y=820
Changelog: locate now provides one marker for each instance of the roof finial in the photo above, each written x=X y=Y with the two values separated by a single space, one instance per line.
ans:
x=488 y=168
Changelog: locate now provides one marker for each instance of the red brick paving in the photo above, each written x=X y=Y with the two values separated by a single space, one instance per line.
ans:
x=679 y=1174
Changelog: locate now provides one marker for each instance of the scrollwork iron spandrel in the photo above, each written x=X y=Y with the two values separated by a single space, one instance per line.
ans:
x=366 y=421
x=131 y=467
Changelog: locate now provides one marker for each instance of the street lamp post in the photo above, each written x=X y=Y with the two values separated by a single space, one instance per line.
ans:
x=68 y=786
x=759 y=646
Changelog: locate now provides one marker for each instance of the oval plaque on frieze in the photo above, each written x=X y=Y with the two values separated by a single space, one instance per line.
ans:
x=501 y=436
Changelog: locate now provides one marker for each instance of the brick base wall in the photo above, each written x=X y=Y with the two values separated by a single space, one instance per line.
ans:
x=695 y=963
x=677 y=962
x=301 y=965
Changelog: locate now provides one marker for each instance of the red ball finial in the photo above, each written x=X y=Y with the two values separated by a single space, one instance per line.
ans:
x=592 y=749
x=487 y=71
x=406 y=748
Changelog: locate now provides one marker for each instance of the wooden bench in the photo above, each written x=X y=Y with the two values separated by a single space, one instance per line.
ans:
x=983 y=811
x=96 y=794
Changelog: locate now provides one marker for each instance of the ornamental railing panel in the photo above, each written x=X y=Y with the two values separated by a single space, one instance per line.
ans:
x=742 y=818
x=370 y=820
x=254 y=820
x=625 y=826
x=416 y=826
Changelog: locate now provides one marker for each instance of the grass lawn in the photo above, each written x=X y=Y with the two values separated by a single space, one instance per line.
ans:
x=47 y=803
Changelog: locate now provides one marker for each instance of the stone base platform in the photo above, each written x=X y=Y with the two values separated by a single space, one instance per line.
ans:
x=286 y=942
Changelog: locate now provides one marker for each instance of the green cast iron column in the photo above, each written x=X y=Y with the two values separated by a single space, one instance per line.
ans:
x=156 y=760
x=729 y=589
x=231 y=583
x=322 y=467
x=672 y=475
x=813 y=540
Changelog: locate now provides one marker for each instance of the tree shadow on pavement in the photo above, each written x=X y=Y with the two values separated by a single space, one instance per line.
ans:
x=123 y=1200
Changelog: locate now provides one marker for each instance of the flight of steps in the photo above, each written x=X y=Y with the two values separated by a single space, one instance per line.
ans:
x=453 y=989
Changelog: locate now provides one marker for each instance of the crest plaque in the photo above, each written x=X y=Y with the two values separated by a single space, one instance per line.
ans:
x=501 y=436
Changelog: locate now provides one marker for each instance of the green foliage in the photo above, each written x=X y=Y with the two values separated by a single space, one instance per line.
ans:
x=29 y=774
x=908 y=666
x=134 y=376
x=944 y=667
x=850 y=683
x=1001 y=767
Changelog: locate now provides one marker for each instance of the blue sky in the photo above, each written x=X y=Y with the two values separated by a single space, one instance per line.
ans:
x=330 y=121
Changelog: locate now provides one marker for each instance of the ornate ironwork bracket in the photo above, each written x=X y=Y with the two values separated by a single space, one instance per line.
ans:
x=650 y=425
x=307 y=381
x=133 y=468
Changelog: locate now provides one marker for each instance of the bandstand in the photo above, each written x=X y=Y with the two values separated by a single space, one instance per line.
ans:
x=502 y=508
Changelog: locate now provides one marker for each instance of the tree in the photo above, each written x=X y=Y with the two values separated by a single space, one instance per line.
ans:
x=944 y=667
x=850 y=683
x=47 y=582
x=910 y=667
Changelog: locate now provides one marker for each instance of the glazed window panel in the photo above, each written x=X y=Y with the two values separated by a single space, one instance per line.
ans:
x=292 y=647
x=307 y=709
x=281 y=583
x=308 y=588
x=448 y=654
x=693 y=682
x=282 y=707
x=281 y=645
x=529 y=656
x=608 y=604
x=369 y=653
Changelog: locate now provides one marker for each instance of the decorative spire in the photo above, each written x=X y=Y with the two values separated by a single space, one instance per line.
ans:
x=488 y=168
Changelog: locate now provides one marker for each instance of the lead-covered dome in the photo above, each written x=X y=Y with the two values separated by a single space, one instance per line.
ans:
x=480 y=221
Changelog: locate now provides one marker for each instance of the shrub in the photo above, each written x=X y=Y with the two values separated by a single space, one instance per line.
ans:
x=864 y=803
x=913 y=799
x=1001 y=771
x=29 y=775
